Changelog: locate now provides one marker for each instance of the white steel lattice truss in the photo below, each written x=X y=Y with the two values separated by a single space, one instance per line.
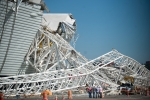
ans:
x=60 y=67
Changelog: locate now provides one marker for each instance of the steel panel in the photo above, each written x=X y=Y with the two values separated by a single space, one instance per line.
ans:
x=25 y=28
x=12 y=60
x=9 y=16
x=9 y=28
x=21 y=22
x=19 y=17
x=13 y=46
x=17 y=39
x=18 y=31
x=15 y=59
x=9 y=64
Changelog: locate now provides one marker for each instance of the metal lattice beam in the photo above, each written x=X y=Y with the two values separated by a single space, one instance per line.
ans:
x=57 y=66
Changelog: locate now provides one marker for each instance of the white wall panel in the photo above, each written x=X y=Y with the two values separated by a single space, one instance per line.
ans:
x=25 y=28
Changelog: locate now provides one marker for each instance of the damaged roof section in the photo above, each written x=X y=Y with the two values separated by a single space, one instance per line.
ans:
x=35 y=2
x=39 y=2
x=63 y=24
x=53 y=20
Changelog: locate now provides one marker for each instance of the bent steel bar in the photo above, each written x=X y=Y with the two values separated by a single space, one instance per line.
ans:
x=50 y=62
x=72 y=70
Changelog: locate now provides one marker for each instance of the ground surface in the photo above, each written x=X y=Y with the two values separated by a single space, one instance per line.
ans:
x=116 y=97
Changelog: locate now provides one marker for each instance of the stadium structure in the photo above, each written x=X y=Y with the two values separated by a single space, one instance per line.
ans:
x=37 y=53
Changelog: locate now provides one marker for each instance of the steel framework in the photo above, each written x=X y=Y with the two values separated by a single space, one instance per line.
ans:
x=52 y=63
x=60 y=67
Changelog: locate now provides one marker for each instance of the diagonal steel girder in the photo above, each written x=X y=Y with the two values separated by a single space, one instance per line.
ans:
x=69 y=69
x=96 y=71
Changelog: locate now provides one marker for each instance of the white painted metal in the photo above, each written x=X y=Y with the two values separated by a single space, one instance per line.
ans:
x=35 y=1
x=17 y=30
x=59 y=67
x=52 y=63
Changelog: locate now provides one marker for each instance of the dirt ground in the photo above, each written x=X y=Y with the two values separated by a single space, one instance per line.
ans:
x=85 y=97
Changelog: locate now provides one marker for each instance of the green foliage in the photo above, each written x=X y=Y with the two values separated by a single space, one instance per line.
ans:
x=147 y=65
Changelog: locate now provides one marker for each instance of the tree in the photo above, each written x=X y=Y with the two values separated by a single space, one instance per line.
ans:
x=147 y=65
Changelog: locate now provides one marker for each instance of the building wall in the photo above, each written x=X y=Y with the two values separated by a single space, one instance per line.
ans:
x=15 y=42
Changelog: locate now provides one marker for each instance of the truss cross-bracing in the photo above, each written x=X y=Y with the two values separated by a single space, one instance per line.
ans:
x=60 y=67
x=52 y=63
